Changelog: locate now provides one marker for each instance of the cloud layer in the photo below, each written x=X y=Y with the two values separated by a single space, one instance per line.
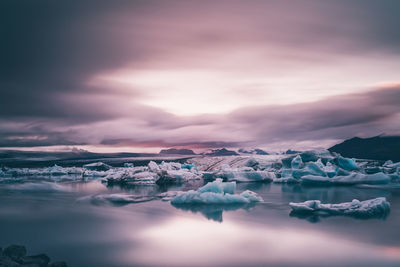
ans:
x=197 y=73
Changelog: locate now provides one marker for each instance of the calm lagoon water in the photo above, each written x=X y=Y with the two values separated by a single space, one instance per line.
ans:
x=155 y=233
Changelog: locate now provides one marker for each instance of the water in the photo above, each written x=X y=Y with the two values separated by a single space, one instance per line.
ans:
x=154 y=233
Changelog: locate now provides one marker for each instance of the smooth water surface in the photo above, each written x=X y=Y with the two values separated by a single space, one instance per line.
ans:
x=51 y=219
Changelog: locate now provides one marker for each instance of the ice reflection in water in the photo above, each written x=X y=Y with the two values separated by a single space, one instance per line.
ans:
x=180 y=241
x=155 y=233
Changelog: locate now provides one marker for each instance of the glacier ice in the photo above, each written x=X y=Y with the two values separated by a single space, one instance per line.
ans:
x=242 y=174
x=297 y=162
x=218 y=193
x=367 y=208
x=128 y=165
x=347 y=164
x=353 y=178
x=153 y=173
x=97 y=166
x=187 y=166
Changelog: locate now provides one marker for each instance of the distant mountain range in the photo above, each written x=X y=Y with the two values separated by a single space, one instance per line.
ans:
x=175 y=151
x=221 y=152
x=378 y=147
x=256 y=151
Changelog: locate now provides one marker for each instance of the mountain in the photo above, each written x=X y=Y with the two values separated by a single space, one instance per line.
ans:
x=256 y=151
x=17 y=158
x=222 y=152
x=175 y=151
x=378 y=147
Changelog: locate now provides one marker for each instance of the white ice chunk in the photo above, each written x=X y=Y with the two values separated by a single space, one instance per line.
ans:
x=393 y=165
x=245 y=174
x=180 y=175
x=353 y=178
x=367 y=208
x=218 y=193
x=153 y=166
x=97 y=166
x=170 y=166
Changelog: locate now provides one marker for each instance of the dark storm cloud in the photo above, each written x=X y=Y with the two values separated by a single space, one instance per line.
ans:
x=161 y=143
x=34 y=136
x=50 y=49
x=336 y=117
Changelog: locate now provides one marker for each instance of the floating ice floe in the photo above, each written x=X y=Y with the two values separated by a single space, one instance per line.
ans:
x=218 y=193
x=353 y=178
x=369 y=208
x=323 y=168
x=54 y=173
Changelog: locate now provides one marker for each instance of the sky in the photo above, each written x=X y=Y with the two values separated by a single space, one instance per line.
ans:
x=144 y=75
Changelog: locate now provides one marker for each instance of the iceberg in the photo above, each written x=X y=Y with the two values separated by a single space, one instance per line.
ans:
x=128 y=165
x=347 y=164
x=369 y=208
x=244 y=174
x=353 y=178
x=216 y=192
x=97 y=166
x=177 y=176
x=187 y=166
x=153 y=173
x=297 y=162
x=153 y=166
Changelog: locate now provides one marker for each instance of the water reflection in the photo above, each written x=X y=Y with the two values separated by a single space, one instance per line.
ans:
x=155 y=233
x=214 y=212
x=316 y=217
x=193 y=242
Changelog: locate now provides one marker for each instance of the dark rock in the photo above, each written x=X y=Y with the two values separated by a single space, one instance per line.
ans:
x=41 y=260
x=15 y=252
